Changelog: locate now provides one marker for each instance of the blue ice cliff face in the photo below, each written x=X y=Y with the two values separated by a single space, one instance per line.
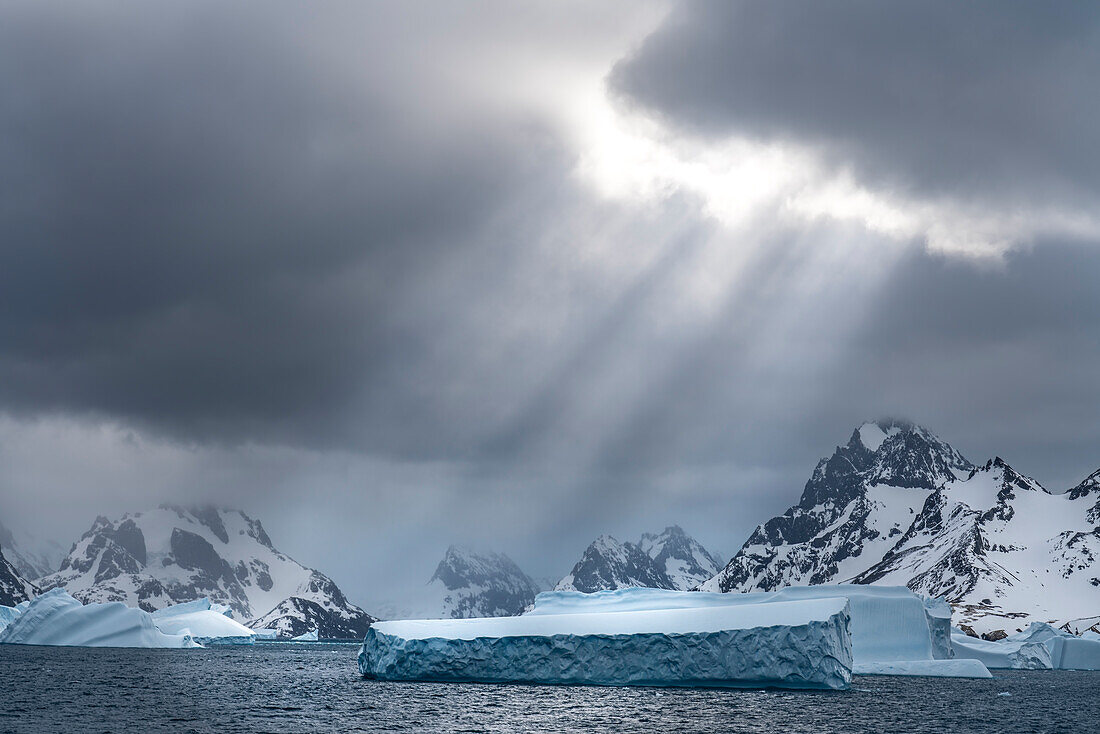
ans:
x=803 y=644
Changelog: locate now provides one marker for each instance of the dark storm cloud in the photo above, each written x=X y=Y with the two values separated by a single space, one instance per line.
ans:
x=980 y=100
x=326 y=264
x=209 y=227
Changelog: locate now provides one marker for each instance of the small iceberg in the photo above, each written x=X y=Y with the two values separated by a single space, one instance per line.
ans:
x=1039 y=647
x=800 y=644
x=207 y=623
x=310 y=636
x=266 y=634
x=55 y=618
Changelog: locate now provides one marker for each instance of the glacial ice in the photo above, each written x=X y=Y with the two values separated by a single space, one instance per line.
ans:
x=1039 y=647
x=889 y=624
x=207 y=623
x=8 y=614
x=1067 y=651
x=310 y=636
x=55 y=618
x=266 y=634
x=800 y=644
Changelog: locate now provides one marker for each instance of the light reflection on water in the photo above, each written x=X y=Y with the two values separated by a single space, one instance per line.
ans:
x=310 y=688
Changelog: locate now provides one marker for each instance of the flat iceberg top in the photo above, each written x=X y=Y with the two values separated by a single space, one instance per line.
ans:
x=692 y=620
x=636 y=598
x=187 y=607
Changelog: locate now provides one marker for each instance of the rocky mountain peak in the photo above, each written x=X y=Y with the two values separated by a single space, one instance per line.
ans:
x=671 y=559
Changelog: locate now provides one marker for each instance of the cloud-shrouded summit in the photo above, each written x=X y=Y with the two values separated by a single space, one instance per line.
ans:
x=399 y=277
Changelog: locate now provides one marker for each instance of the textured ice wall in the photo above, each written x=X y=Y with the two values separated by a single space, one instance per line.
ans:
x=938 y=613
x=55 y=618
x=804 y=645
x=7 y=615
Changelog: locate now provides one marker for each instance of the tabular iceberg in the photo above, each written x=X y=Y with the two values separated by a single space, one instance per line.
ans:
x=55 y=618
x=894 y=631
x=266 y=634
x=803 y=644
x=208 y=624
x=1039 y=647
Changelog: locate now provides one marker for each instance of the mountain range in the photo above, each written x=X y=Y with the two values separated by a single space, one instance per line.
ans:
x=898 y=505
x=172 y=554
x=895 y=505
x=468 y=583
x=668 y=560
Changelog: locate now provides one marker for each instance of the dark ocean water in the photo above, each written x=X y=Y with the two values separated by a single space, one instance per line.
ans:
x=316 y=688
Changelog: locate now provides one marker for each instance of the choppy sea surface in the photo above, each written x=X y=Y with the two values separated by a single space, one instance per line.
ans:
x=317 y=688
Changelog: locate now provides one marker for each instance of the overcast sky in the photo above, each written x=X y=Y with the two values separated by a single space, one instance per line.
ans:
x=390 y=276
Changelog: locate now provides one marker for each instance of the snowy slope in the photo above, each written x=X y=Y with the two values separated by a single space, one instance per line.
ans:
x=170 y=555
x=684 y=560
x=468 y=584
x=855 y=506
x=1003 y=550
x=669 y=560
x=13 y=587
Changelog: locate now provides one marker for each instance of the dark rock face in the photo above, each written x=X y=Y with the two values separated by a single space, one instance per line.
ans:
x=13 y=587
x=841 y=525
x=129 y=537
x=609 y=564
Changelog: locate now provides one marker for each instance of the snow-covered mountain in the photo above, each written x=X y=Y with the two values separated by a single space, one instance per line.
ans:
x=469 y=584
x=32 y=557
x=669 y=560
x=855 y=506
x=170 y=555
x=897 y=505
x=1005 y=551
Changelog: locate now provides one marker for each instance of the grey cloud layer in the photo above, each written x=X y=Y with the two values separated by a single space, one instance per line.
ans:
x=984 y=100
x=374 y=301
x=211 y=229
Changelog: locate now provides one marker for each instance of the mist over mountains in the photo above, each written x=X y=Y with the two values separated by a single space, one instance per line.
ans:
x=895 y=505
